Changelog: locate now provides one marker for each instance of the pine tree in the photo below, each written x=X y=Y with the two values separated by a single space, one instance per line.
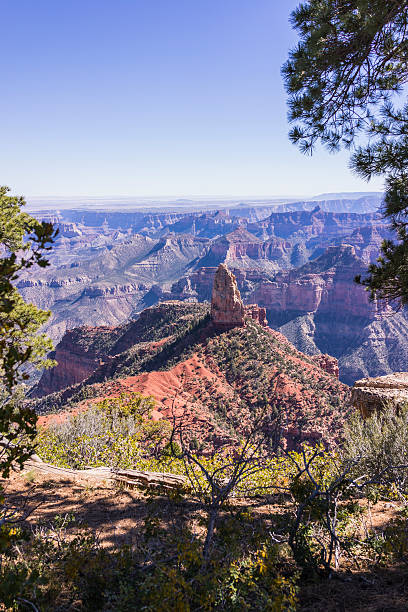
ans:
x=23 y=242
x=345 y=78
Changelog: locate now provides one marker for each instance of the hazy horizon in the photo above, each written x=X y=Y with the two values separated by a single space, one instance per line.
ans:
x=127 y=203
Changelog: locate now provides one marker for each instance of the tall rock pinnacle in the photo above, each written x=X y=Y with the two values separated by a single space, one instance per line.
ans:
x=227 y=309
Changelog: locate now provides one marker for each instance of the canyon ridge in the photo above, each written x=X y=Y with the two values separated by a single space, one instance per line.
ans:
x=297 y=261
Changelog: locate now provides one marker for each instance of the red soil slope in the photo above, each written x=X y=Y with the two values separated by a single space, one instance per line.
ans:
x=193 y=389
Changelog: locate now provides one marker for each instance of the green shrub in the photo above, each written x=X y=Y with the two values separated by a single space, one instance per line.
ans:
x=116 y=432
x=164 y=571
x=379 y=447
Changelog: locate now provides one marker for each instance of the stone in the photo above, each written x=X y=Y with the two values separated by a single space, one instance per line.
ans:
x=227 y=308
x=371 y=395
x=256 y=313
x=327 y=363
x=77 y=356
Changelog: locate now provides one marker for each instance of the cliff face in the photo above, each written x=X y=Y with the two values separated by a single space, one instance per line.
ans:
x=242 y=250
x=328 y=363
x=198 y=284
x=367 y=241
x=227 y=309
x=78 y=355
x=84 y=350
x=309 y=224
x=371 y=395
x=108 y=266
x=366 y=203
x=321 y=310
x=257 y=266
x=102 y=271
x=325 y=286
x=236 y=245
x=97 y=285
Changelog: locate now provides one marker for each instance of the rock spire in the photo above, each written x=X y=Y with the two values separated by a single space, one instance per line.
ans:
x=227 y=309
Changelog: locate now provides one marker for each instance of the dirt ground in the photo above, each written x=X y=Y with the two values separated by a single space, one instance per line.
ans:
x=116 y=515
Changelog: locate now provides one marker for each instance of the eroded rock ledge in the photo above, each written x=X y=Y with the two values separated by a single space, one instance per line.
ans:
x=371 y=395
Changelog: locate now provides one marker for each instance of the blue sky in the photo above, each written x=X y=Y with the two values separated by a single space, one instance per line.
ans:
x=152 y=98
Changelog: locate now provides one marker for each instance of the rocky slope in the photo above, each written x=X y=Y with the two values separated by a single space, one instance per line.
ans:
x=319 y=308
x=214 y=379
x=241 y=249
x=104 y=284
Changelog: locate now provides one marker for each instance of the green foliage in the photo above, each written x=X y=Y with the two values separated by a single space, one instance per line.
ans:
x=116 y=432
x=322 y=518
x=119 y=432
x=254 y=559
x=179 y=326
x=23 y=241
x=351 y=55
x=250 y=582
x=62 y=564
x=251 y=359
x=380 y=443
x=343 y=79
x=386 y=544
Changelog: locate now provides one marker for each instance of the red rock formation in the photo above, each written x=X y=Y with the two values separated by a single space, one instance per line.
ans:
x=227 y=309
x=256 y=313
x=198 y=284
x=242 y=246
x=327 y=363
x=326 y=285
x=77 y=356
x=198 y=386
x=236 y=245
x=204 y=382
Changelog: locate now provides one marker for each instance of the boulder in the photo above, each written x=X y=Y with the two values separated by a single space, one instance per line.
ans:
x=371 y=395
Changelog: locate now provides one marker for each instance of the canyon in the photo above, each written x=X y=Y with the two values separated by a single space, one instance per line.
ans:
x=299 y=265
x=212 y=369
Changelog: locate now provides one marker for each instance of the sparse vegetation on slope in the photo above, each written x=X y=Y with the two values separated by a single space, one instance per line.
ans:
x=230 y=375
x=118 y=433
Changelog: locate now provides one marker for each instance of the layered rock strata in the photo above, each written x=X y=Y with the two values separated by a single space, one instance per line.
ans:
x=325 y=285
x=372 y=395
x=327 y=363
x=227 y=308
x=256 y=313
x=77 y=355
